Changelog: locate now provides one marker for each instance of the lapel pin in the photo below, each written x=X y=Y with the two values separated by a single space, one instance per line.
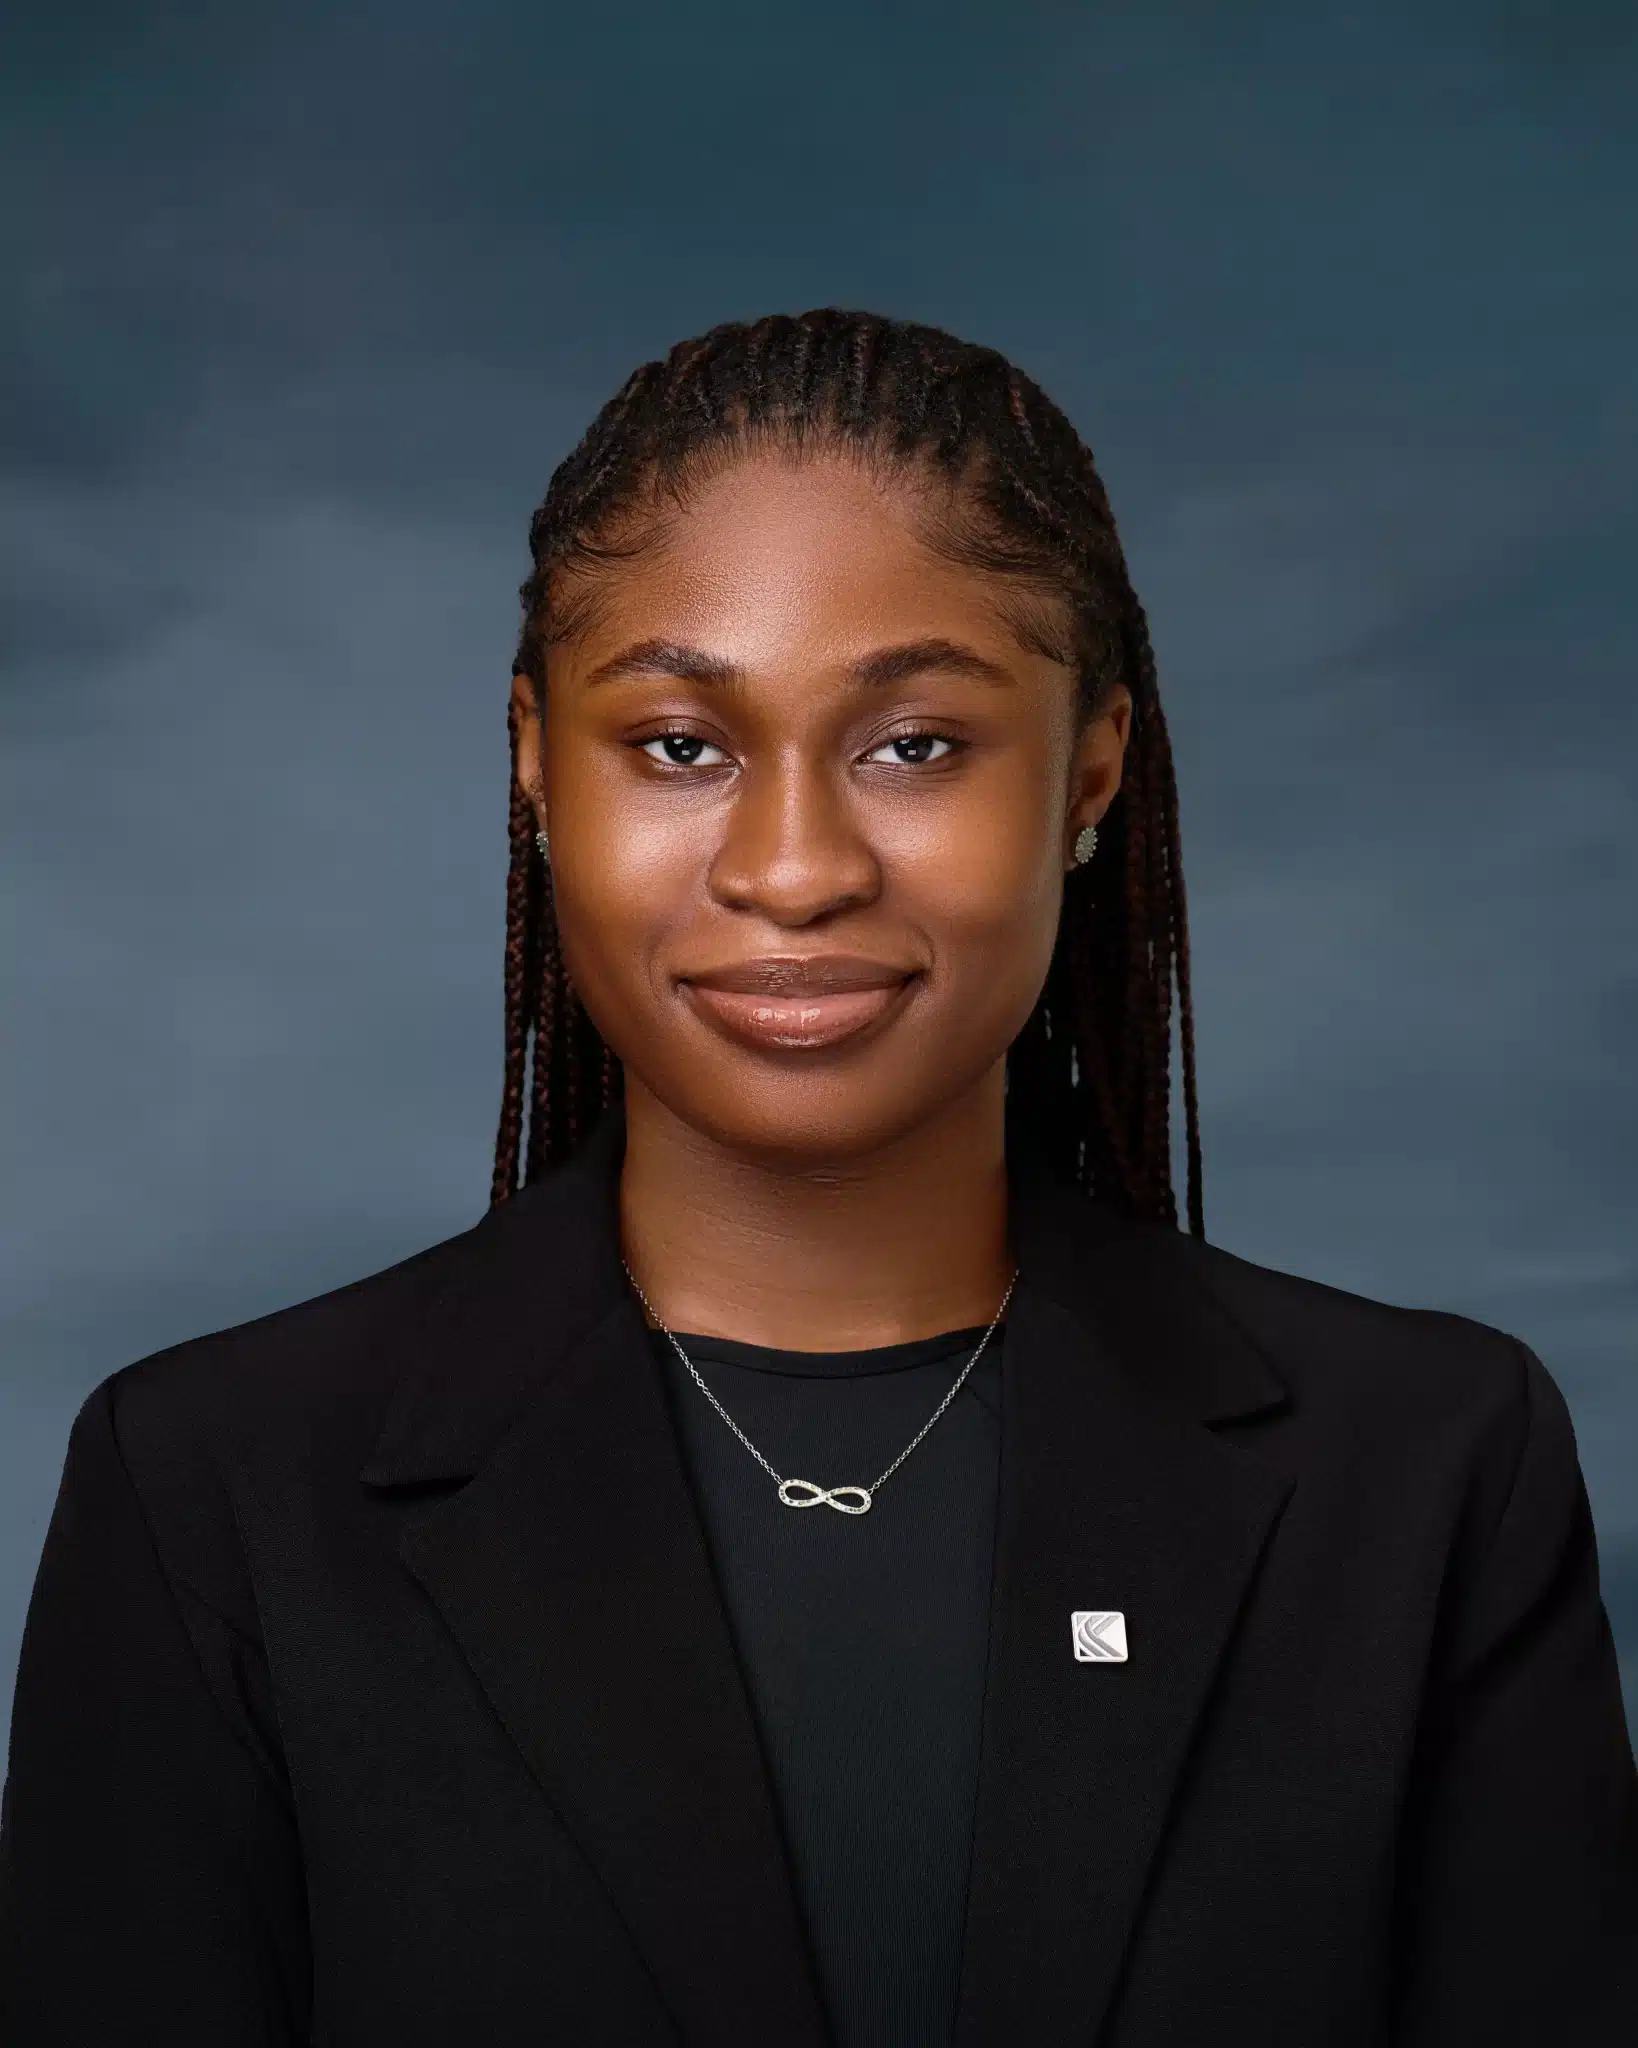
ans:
x=1099 y=1638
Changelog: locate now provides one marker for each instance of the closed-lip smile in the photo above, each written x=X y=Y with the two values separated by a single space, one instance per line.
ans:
x=797 y=1002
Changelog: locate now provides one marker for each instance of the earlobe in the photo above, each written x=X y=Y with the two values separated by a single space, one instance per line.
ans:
x=1096 y=778
x=1081 y=847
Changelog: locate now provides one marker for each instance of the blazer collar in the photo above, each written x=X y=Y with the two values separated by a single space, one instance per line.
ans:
x=534 y=1274
x=565 y=1555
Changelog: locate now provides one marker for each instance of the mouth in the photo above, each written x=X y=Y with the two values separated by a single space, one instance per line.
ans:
x=797 y=1004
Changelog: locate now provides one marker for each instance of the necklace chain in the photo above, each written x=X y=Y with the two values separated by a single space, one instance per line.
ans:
x=802 y=1493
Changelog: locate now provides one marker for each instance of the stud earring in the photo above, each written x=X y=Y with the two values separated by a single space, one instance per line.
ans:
x=1086 y=840
x=545 y=846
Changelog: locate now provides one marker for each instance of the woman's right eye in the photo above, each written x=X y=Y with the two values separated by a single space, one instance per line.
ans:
x=681 y=750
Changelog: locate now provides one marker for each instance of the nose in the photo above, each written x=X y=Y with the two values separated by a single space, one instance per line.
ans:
x=794 y=851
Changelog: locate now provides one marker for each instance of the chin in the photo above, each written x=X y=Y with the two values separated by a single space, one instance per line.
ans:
x=804 y=1115
x=800 y=1132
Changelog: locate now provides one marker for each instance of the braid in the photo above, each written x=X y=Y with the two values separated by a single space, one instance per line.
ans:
x=522 y=922
x=1089 y=1076
x=548 y=1001
x=1180 y=954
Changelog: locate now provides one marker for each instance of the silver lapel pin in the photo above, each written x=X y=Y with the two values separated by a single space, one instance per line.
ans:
x=1099 y=1637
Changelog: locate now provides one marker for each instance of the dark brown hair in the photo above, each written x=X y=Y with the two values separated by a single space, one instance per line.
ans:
x=1009 y=487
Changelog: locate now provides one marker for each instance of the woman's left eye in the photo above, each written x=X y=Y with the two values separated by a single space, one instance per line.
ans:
x=911 y=749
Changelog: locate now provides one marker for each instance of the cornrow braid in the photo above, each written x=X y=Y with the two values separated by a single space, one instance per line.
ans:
x=1089 y=1076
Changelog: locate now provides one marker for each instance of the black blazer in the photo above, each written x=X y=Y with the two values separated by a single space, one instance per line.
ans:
x=376 y=1689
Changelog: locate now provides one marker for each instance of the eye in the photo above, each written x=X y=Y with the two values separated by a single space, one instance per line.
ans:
x=912 y=749
x=681 y=750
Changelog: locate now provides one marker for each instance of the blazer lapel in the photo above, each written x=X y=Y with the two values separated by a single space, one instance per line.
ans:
x=572 y=1570
x=1114 y=1495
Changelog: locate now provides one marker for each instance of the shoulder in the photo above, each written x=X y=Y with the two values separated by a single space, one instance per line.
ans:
x=1425 y=1397
x=321 y=1361
x=1332 y=1342
x=196 y=1427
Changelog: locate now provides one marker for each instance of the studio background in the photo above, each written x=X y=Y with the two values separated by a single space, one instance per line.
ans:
x=306 y=303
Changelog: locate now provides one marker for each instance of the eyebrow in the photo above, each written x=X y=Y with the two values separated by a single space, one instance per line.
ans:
x=885 y=666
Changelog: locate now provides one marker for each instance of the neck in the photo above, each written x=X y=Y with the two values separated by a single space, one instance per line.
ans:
x=899 y=1243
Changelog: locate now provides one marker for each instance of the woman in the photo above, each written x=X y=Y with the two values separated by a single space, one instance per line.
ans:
x=827 y=1558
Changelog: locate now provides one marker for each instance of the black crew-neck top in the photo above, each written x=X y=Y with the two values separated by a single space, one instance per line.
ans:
x=863 y=1641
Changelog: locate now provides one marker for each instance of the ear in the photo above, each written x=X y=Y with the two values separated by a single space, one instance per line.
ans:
x=1095 y=767
x=531 y=752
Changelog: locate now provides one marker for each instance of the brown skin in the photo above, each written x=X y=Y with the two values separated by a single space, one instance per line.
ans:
x=853 y=1195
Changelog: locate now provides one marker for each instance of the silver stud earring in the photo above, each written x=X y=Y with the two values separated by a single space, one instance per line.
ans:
x=1086 y=840
x=545 y=846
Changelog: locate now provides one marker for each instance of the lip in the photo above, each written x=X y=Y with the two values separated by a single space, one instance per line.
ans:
x=796 y=1003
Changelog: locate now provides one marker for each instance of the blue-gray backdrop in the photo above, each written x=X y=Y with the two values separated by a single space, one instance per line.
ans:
x=306 y=304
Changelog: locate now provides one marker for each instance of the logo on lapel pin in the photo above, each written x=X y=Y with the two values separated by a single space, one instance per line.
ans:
x=1099 y=1638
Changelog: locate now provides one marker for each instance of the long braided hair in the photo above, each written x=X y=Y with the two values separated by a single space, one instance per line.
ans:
x=1089 y=1076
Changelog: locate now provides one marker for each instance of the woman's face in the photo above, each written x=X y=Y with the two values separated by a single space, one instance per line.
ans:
x=810 y=803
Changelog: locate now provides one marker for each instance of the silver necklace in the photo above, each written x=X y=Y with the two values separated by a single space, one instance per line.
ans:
x=802 y=1493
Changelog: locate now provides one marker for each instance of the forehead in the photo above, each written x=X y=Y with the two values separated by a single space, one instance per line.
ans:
x=817 y=556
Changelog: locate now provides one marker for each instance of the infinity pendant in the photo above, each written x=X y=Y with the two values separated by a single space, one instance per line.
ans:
x=802 y=1493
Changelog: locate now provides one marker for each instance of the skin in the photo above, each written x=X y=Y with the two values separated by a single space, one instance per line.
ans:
x=841 y=1196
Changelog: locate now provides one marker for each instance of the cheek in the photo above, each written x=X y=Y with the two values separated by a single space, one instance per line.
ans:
x=620 y=890
x=991 y=902
x=601 y=881
x=985 y=871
